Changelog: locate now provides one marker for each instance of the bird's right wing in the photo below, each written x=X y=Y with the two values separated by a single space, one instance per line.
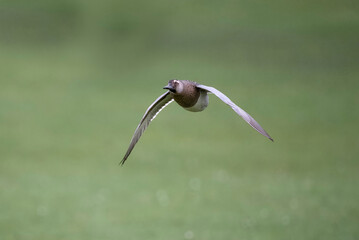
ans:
x=248 y=118
x=150 y=114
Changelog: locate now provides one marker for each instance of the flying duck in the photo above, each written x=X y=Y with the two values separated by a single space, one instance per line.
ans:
x=192 y=97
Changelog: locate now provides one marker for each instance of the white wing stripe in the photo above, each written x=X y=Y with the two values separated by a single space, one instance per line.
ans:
x=161 y=110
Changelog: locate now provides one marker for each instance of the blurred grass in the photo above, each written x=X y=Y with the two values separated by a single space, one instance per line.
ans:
x=77 y=76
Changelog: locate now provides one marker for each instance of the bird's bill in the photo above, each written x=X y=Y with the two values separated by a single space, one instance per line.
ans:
x=169 y=87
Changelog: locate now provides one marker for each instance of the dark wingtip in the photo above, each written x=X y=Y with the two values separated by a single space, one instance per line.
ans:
x=122 y=162
x=271 y=139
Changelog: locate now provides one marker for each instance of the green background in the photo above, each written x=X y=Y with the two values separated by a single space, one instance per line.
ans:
x=77 y=76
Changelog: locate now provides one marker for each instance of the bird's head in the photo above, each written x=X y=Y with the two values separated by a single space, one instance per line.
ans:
x=174 y=86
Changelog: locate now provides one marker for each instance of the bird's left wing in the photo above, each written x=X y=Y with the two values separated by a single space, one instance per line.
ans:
x=248 y=118
x=152 y=111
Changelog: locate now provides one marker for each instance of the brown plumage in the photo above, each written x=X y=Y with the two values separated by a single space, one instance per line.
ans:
x=189 y=95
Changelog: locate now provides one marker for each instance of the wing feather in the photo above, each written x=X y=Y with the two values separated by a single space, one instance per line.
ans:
x=150 y=114
x=237 y=109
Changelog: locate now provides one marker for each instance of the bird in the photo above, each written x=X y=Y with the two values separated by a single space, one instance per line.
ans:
x=191 y=96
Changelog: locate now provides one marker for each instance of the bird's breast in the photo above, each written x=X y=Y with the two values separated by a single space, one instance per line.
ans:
x=201 y=104
x=187 y=98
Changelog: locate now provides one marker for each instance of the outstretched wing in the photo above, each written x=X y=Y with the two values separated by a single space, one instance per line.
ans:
x=150 y=114
x=237 y=109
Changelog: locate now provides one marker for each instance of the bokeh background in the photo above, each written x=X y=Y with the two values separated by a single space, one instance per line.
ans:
x=76 y=77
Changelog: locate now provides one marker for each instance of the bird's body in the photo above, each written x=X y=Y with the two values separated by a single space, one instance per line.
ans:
x=189 y=96
x=192 y=97
x=201 y=103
